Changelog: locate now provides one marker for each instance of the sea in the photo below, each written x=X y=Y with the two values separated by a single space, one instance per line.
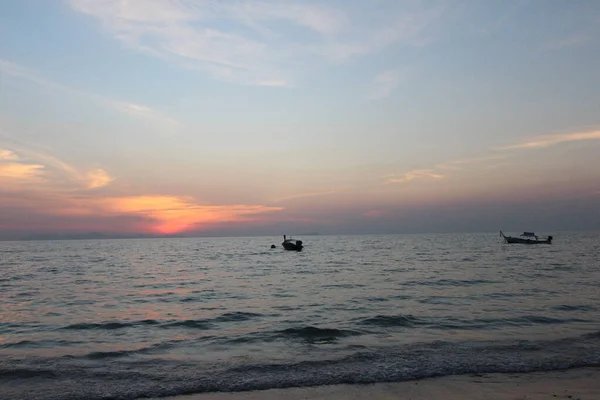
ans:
x=146 y=318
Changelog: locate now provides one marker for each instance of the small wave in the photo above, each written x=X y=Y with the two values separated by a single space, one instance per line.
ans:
x=402 y=297
x=311 y=333
x=283 y=295
x=445 y=323
x=136 y=379
x=439 y=300
x=287 y=308
x=566 y=307
x=189 y=323
x=93 y=325
x=209 y=323
x=37 y=344
x=377 y=299
x=153 y=348
x=308 y=333
x=25 y=373
x=17 y=278
x=389 y=320
x=460 y=282
x=83 y=281
x=110 y=325
x=344 y=285
x=25 y=294
x=534 y=319
x=592 y=335
x=22 y=343
x=256 y=337
x=236 y=316
x=491 y=323
x=94 y=260
x=448 y=282
x=99 y=355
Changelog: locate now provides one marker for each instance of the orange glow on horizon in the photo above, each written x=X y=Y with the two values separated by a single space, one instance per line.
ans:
x=177 y=214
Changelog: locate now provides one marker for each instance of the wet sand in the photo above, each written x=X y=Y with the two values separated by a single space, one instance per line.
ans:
x=576 y=384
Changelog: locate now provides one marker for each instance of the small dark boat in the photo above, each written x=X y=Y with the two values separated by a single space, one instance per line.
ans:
x=291 y=244
x=526 y=238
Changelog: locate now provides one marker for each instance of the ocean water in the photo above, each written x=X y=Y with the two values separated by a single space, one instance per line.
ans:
x=128 y=319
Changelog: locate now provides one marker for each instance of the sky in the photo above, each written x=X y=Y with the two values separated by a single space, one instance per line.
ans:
x=239 y=117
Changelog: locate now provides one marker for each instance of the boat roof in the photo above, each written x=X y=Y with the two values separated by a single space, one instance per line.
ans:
x=528 y=234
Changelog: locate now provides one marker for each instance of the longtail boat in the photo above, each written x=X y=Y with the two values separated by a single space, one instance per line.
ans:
x=291 y=244
x=527 y=238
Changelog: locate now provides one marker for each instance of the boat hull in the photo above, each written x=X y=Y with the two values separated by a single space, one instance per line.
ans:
x=511 y=239
x=292 y=246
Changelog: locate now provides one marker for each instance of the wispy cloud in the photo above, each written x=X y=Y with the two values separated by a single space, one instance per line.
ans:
x=20 y=71
x=98 y=178
x=439 y=171
x=480 y=159
x=255 y=42
x=566 y=42
x=415 y=174
x=26 y=172
x=551 y=140
x=319 y=18
x=394 y=26
x=24 y=163
x=131 y=109
x=274 y=83
x=384 y=84
x=7 y=155
x=13 y=170
x=308 y=194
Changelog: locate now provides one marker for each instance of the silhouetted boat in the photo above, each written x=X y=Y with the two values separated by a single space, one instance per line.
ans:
x=526 y=238
x=291 y=244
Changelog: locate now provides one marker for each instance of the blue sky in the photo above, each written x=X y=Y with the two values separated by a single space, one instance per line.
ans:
x=254 y=116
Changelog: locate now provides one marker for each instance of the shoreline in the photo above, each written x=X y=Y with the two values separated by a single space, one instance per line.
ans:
x=575 y=384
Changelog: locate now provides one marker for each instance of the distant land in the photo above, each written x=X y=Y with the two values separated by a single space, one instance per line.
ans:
x=27 y=236
x=6 y=237
x=73 y=236
x=101 y=235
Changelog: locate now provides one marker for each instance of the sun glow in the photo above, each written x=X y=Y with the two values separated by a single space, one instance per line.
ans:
x=172 y=214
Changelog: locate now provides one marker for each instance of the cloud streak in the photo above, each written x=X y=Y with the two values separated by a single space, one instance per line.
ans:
x=254 y=42
x=552 y=140
x=384 y=84
x=130 y=109
x=8 y=155
x=438 y=172
x=308 y=194
x=567 y=42
x=98 y=178
x=24 y=164
x=21 y=172
x=415 y=174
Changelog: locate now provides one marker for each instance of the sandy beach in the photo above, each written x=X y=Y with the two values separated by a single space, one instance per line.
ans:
x=577 y=384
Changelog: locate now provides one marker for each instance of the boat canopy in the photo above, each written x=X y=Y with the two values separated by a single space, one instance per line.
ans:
x=530 y=234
